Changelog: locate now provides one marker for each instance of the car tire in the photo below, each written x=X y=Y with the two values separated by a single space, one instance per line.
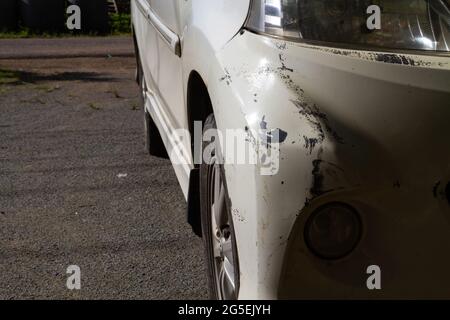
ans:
x=217 y=227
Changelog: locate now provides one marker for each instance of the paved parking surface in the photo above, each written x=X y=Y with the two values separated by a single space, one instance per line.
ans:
x=76 y=187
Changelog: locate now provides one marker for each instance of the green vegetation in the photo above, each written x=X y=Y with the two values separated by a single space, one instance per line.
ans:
x=120 y=25
x=8 y=77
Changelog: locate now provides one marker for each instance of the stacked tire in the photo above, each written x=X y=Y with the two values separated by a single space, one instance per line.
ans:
x=43 y=15
x=8 y=14
x=94 y=15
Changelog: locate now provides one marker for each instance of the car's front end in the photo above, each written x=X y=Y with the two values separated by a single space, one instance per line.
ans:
x=362 y=178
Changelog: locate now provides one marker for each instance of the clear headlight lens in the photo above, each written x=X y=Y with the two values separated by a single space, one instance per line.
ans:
x=404 y=24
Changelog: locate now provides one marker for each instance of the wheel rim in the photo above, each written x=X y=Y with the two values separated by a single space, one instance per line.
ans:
x=222 y=237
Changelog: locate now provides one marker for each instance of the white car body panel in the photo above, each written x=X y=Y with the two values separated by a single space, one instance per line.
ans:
x=346 y=112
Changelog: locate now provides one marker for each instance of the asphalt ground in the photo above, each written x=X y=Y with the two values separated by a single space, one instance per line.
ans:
x=76 y=186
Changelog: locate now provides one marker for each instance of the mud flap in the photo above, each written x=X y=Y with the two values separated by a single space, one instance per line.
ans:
x=193 y=208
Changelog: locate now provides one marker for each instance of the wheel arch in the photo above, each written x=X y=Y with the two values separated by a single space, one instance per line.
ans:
x=198 y=102
x=199 y=107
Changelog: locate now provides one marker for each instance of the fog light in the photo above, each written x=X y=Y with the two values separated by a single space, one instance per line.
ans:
x=333 y=231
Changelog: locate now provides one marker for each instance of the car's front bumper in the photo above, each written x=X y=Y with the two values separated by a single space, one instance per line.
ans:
x=367 y=129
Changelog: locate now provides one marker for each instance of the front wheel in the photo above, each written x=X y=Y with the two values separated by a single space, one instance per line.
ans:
x=217 y=227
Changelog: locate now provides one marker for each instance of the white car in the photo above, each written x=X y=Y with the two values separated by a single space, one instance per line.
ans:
x=335 y=182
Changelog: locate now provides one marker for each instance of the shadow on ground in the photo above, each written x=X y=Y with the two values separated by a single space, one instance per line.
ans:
x=14 y=77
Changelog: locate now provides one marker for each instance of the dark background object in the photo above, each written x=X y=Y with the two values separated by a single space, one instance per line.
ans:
x=94 y=15
x=43 y=15
x=8 y=14
x=123 y=6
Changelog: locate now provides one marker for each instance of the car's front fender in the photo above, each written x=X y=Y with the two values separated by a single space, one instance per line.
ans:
x=349 y=117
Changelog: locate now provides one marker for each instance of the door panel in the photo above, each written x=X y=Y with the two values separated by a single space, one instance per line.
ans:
x=170 y=75
x=163 y=65
x=148 y=40
x=167 y=11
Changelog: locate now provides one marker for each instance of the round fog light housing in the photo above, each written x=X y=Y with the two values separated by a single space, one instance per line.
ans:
x=333 y=231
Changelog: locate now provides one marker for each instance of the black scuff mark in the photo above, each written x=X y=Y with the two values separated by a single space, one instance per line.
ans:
x=333 y=132
x=318 y=179
x=441 y=191
x=226 y=77
x=392 y=58
x=310 y=111
x=313 y=116
x=318 y=187
x=283 y=64
x=281 y=45
x=250 y=138
x=263 y=124
x=307 y=203
x=318 y=120
x=310 y=143
x=268 y=136
x=395 y=59
x=238 y=215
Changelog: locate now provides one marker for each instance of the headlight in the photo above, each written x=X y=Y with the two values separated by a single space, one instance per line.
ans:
x=403 y=24
x=333 y=231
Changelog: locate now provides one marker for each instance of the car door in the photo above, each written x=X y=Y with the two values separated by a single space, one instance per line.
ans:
x=147 y=39
x=169 y=81
x=163 y=71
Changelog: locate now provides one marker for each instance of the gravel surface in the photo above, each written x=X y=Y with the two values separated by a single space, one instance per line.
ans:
x=76 y=187
x=66 y=47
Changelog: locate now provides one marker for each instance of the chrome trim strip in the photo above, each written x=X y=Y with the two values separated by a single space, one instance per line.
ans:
x=169 y=37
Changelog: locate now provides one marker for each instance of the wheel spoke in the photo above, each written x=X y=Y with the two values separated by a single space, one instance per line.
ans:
x=228 y=276
x=227 y=249
x=219 y=209
x=221 y=235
